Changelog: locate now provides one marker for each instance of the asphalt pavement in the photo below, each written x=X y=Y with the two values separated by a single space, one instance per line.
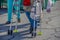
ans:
x=50 y=26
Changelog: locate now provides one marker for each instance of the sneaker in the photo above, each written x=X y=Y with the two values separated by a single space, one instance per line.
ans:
x=8 y=22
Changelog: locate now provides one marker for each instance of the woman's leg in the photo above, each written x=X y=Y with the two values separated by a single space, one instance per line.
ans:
x=17 y=9
x=10 y=8
x=31 y=22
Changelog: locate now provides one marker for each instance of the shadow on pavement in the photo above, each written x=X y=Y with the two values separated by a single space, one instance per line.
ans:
x=5 y=28
x=16 y=36
x=3 y=11
x=2 y=24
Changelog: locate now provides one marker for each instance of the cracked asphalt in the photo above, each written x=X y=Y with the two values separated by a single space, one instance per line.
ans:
x=50 y=26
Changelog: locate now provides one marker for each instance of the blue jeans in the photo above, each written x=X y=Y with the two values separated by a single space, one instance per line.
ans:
x=10 y=9
x=31 y=20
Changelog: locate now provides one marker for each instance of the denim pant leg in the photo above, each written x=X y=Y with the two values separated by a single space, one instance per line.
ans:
x=31 y=20
x=10 y=6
